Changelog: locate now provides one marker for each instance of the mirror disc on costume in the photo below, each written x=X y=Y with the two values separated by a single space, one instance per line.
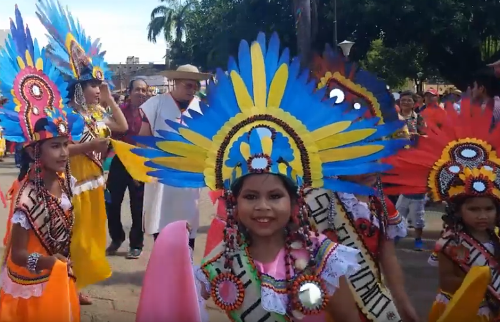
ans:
x=309 y=294
x=227 y=291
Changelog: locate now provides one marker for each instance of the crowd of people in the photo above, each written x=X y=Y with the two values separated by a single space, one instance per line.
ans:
x=316 y=175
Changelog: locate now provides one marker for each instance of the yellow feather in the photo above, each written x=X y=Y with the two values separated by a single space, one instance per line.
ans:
x=29 y=60
x=282 y=168
x=195 y=138
x=330 y=130
x=345 y=138
x=259 y=77
x=466 y=301
x=182 y=164
x=342 y=154
x=245 y=150
x=39 y=64
x=267 y=145
x=20 y=63
x=132 y=162
x=183 y=149
x=240 y=90
x=238 y=172
x=277 y=88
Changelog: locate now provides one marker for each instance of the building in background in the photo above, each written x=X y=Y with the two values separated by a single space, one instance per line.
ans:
x=133 y=68
x=4 y=33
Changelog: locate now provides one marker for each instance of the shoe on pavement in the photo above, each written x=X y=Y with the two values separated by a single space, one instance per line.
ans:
x=113 y=248
x=419 y=244
x=134 y=253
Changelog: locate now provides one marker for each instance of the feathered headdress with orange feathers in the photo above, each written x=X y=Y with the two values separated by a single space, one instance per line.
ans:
x=457 y=157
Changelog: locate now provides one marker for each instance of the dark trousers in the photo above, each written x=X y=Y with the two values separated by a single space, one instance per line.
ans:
x=118 y=181
x=191 y=240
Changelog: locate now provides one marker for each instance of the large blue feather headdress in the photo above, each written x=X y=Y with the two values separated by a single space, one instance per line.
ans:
x=347 y=83
x=74 y=53
x=263 y=116
x=35 y=90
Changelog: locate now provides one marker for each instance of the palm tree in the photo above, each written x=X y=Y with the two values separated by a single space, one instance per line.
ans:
x=169 y=18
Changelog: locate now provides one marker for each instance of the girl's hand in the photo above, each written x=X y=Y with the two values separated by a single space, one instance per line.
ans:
x=106 y=96
x=100 y=145
x=408 y=313
x=63 y=259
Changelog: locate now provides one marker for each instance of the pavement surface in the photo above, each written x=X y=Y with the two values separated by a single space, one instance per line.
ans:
x=116 y=299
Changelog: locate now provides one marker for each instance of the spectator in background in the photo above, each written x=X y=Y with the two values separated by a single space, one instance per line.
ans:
x=485 y=87
x=412 y=207
x=119 y=180
x=419 y=100
x=431 y=96
x=119 y=99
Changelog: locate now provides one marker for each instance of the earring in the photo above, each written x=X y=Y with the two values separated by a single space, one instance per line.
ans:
x=79 y=97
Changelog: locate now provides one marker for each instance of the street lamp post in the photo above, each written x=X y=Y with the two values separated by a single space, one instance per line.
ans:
x=346 y=46
x=335 y=41
x=419 y=81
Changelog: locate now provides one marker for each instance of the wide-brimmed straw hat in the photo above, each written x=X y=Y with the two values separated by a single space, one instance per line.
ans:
x=186 y=72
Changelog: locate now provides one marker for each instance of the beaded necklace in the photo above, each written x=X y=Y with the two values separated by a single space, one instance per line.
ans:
x=54 y=212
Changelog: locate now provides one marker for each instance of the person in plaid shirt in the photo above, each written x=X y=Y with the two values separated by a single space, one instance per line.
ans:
x=412 y=207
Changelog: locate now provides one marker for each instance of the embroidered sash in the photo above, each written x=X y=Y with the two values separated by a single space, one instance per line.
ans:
x=478 y=255
x=34 y=209
x=371 y=296
x=251 y=309
x=88 y=136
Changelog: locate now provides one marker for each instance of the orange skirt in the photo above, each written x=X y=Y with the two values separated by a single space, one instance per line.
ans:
x=58 y=303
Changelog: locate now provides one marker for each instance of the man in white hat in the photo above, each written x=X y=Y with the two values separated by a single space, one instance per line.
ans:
x=165 y=204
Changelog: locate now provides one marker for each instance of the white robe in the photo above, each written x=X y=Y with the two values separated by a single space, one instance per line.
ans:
x=165 y=204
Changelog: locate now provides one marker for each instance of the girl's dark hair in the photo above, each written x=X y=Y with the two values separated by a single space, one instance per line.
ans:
x=486 y=77
x=453 y=222
x=25 y=163
x=83 y=84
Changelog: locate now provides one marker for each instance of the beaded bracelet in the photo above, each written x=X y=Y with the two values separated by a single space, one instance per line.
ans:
x=32 y=262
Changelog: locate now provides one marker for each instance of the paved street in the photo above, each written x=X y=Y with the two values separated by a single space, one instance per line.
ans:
x=116 y=299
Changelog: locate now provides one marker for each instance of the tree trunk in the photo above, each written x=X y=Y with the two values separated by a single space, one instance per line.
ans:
x=302 y=14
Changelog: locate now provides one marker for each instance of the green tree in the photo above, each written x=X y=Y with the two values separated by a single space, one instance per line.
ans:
x=454 y=37
x=393 y=64
x=169 y=19
x=452 y=33
x=215 y=28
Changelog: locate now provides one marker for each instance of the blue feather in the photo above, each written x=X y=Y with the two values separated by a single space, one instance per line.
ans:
x=149 y=141
x=245 y=65
x=150 y=153
x=348 y=187
x=332 y=169
x=60 y=23
x=18 y=44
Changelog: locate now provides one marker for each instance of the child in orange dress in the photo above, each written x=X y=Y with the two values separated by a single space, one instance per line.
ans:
x=36 y=279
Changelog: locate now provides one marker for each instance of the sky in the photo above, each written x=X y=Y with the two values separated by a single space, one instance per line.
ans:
x=122 y=28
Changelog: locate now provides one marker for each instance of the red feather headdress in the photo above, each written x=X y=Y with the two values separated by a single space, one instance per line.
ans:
x=457 y=157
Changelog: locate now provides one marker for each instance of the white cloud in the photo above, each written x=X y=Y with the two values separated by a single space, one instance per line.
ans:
x=122 y=32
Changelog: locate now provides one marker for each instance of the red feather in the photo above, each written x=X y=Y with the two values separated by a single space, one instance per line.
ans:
x=411 y=167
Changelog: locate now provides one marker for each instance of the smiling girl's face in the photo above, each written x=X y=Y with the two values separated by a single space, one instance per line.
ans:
x=263 y=204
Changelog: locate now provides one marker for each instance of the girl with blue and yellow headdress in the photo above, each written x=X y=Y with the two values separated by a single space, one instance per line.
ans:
x=37 y=282
x=261 y=145
x=89 y=78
